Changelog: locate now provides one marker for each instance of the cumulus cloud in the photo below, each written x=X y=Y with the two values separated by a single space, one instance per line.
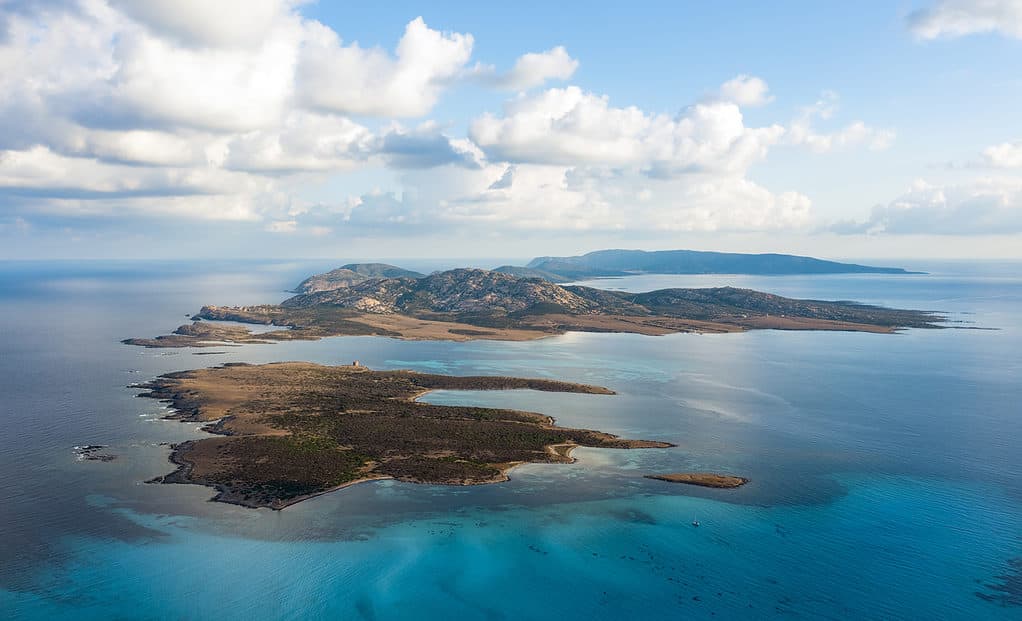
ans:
x=353 y=80
x=590 y=198
x=746 y=90
x=596 y=199
x=223 y=23
x=1004 y=155
x=166 y=100
x=41 y=172
x=853 y=134
x=426 y=146
x=567 y=159
x=505 y=180
x=534 y=69
x=160 y=85
x=981 y=207
x=802 y=130
x=139 y=147
x=130 y=108
x=957 y=18
x=305 y=141
x=570 y=126
x=576 y=162
x=94 y=67
x=562 y=125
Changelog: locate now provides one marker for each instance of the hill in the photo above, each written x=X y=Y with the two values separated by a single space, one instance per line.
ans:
x=454 y=291
x=350 y=274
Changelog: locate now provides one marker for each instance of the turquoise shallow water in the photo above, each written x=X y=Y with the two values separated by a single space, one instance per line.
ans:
x=875 y=553
x=886 y=478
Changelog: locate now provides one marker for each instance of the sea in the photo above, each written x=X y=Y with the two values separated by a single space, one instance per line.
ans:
x=886 y=469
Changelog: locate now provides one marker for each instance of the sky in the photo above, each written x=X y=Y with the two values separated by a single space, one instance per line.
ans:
x=280 y=129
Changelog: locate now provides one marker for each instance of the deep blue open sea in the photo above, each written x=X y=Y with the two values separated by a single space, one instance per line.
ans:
x=886 y=469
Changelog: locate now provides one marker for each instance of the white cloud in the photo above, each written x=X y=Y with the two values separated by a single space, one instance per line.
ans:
x=505 y=181
x=569 y=126
x=95 y=68
x=1004 y=155
x=223 y=23
x=562 y=126
x=856 y=133
x=980 y=207
x=550 y=197
x=353 y=80
x=39 y=170
x=957 y=18
x=212 y=208
x=44 y=68
x=158 y=84
x=170 y=109
x=282 y=226
x=596 y=199
x=746 y=90
x=577 y=162
x=426 y=146
x=535 y=69
x=303 y=142
x=802 y=131
x=62 y=184
x=133 y=146
x=170 y=102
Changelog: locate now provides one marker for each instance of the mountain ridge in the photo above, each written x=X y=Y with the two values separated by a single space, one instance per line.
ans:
x=620 y=262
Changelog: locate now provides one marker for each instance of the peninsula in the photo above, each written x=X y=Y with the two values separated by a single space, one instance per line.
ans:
x=292 y=430
x=467 y=304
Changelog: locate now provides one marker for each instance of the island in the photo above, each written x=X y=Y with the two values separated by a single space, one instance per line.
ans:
x=702 y=479
x=608 y=263
x=468 y=304
x=288 y=431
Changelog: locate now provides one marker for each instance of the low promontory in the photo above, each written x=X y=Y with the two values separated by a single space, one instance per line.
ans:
x=291 y=430
x=702 y=479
